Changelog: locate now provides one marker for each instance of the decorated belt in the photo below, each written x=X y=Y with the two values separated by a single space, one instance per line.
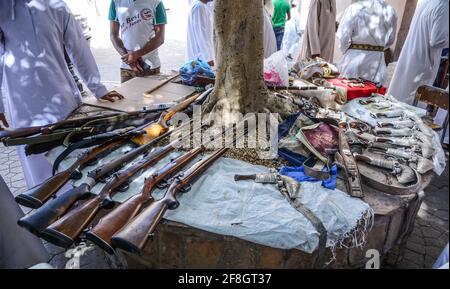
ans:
x=367 y=47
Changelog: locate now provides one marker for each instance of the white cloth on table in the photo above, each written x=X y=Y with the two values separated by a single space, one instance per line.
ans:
x=370 y=22
x=39 y=86
x=270 y=41
x=247 y=210
x=200 y=37
x=420 y=57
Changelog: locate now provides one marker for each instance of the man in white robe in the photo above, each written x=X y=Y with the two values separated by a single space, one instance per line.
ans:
x=292 y=39
x=40 y=88
x=420 y=57
x=366 y=30
x=270 y=42
x=320 y=31
x=200 y=38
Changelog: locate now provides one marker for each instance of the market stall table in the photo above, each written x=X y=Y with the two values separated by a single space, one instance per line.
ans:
x=175 y=245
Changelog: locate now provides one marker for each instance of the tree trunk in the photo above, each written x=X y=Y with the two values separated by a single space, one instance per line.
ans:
x=240 y=86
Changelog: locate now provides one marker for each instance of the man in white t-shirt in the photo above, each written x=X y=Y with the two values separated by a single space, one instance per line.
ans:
x=137 y=31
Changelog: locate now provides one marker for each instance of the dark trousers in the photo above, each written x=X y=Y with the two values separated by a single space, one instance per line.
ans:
x=279 y=34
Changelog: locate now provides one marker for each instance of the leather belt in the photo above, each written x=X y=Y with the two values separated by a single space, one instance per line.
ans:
x=367 y=47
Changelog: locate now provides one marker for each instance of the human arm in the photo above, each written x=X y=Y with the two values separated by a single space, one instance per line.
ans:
x=133 y=56
x=155 y=42
x=79 y=52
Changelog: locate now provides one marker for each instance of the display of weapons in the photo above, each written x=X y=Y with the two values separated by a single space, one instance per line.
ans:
x=404 y=174
x=55 y=208
x=388 y=114
x=133 y=236
x=161 y=126
x=59 y=132
x=38 y=195
x=406 y=123
x=50 y=128
x=417 y=162
x=103 y=231
x=65 y=231
x=426 y=149
x=46 y=143
x=403 y=132
x=344 y=157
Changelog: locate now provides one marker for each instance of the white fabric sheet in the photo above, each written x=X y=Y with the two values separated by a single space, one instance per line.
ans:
x=420 y=58
x=370 y=22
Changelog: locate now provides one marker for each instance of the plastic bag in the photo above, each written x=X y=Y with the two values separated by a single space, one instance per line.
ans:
x=192 y=69
x=276 y=70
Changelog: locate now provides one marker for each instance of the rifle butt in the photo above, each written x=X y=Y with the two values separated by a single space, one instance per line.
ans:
x=66 y=230
x=52 y=210
x=134 y=235
x=102 y=233
x=153 y=131
x=38 y=195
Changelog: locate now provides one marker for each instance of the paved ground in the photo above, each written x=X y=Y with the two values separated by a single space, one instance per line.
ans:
x=430 y=233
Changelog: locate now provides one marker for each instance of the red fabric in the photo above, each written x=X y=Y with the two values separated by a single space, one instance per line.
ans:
x=322 y=138
x=355 y=92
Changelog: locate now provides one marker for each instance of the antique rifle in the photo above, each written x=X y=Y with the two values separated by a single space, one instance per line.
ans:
x=38 y=195
x=53 y=209
x=161 y=126
x=102 y=233
x=133 y=236
x=64 y=130
x=50 y=128
x=64 y=231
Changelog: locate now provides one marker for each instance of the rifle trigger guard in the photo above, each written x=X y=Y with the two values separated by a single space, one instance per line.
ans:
x=107 y=203
x=124 y=187
x=76 y=175
x=173 y=205
x=162 y=185
x=185 y=189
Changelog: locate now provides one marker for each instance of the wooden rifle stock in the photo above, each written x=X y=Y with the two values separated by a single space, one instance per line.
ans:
x=38 y=195
x=156 y=129
x=53 y=209
x=102 y=233
x=47 y=129
x=133 y=236
x=64 y=231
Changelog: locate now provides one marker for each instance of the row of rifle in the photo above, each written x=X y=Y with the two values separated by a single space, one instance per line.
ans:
x=60 y=221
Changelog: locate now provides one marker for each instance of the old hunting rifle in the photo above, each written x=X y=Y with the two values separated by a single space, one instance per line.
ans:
x=64 y=231
x=134 y=235
x=38 y=195
x=53 y=209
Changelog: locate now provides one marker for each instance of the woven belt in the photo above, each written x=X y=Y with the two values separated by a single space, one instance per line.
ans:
x=367 y=47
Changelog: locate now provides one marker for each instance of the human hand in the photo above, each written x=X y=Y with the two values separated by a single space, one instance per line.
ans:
x=111 y=96
x=131 y=57
x=3 y=121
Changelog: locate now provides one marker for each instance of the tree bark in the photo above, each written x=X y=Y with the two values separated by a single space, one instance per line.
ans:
x=239 y=86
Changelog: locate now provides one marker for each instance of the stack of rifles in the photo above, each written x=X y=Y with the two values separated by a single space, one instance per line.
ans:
x=62 y=216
